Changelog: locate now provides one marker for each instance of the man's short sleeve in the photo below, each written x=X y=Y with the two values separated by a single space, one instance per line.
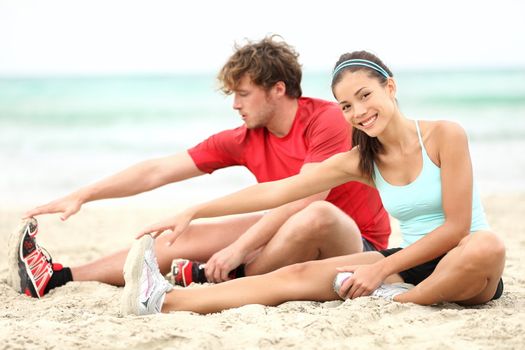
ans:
x=218 y=151
x=328 y=134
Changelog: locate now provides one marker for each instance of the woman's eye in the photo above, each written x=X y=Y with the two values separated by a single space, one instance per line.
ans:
x=366 y=95
x=346 y=108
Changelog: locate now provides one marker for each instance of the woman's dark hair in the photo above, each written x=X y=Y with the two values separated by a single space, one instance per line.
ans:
x=368 y=147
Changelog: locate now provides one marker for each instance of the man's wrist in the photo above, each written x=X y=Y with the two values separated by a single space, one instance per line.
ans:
x=82 y=196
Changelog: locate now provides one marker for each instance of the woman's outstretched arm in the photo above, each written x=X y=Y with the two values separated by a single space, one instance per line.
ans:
x=336 y=170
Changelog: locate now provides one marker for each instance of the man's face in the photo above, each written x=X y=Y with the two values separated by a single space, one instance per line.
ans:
x=255 y=105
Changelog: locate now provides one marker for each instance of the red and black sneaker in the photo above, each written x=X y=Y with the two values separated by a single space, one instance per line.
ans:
x=30 y=269
x=185 y=272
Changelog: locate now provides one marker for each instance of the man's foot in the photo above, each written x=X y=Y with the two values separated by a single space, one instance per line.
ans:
x=30 y=267
x=389 y=291
x=185 y=272
x=145 y=288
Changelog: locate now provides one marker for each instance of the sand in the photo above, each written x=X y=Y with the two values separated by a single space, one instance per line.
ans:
x=84 y=315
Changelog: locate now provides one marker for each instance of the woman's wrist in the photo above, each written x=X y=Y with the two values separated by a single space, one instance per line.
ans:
x=384 y=268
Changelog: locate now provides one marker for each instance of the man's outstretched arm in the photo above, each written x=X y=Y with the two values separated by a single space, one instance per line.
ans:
x=141 y=177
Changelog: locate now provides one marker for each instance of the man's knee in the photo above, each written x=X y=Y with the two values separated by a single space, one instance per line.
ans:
x=321 y=217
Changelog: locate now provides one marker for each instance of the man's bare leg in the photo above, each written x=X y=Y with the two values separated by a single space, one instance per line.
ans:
x=319 y=231
x=199 y=242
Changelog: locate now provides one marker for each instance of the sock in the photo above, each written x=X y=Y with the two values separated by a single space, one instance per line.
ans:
x=61 y=275
x=200 y=276
x=197 y=272
x=238 y=272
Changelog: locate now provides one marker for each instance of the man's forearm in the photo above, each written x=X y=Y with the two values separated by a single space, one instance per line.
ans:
x=141 y=177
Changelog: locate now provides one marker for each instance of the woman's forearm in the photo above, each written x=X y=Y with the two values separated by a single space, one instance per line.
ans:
x=269 y=195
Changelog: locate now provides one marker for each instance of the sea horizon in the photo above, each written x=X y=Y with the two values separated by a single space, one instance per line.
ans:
x=59 y=133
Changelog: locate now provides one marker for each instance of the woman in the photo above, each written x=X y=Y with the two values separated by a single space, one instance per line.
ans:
x=423 y=172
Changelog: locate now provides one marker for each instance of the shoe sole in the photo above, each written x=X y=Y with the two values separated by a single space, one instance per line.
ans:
x=129 y=304
x=13 y=254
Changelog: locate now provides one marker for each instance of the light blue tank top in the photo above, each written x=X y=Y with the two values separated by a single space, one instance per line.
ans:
x=418 y=205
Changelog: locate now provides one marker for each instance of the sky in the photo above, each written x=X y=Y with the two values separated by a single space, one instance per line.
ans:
x=68 y=37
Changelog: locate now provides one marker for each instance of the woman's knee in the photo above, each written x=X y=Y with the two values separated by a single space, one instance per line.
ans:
x=484 y=249
x=298 y=271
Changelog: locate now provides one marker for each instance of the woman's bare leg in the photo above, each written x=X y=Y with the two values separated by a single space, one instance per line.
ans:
x=468 y=274
x=305 y=281
x=199 y=243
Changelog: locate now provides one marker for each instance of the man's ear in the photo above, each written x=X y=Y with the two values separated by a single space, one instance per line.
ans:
x=279 y=88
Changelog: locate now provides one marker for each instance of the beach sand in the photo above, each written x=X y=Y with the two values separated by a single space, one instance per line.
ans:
x=85 y=315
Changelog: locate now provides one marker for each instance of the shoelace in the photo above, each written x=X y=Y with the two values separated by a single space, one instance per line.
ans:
x=45 y=253
x=44 y=257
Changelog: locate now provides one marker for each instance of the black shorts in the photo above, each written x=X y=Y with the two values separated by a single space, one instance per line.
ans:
x=367 y=246
x=418 y=273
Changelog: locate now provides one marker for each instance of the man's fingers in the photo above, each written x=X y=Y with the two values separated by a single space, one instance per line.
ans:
x=208 y=271
x=39 y=211
x=67 y=214
x=224 y=275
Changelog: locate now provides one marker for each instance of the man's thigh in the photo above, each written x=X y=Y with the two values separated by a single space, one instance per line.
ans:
x=204 y=238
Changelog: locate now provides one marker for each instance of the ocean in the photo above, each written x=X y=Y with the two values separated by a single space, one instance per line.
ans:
x=60 y=133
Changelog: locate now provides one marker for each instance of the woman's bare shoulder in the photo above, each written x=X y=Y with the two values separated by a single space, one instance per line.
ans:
x=443 y=130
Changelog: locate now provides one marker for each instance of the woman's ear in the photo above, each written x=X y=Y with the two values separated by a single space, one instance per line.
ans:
x=391 y=87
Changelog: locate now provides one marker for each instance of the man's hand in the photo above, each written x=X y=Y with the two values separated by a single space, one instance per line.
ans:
x=221 y=263
x=67 y=205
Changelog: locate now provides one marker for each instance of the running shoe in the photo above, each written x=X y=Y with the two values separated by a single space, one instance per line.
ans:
x=30 y=266
x=185 y=272
x=385 y=291
x=145 y=288
x=389 y=291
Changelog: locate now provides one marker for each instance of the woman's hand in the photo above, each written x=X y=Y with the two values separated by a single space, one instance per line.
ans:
x=177 y=224
x=365 y=279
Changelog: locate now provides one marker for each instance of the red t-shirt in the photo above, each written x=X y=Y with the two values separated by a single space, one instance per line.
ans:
x=318 y=132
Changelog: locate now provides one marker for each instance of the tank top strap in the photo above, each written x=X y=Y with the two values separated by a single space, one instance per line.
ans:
x=419 y=135
x=426 y=158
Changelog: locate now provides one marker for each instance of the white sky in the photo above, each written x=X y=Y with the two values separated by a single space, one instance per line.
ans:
x=122 y=36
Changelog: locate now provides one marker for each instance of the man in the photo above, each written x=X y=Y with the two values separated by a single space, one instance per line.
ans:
x=283 y=134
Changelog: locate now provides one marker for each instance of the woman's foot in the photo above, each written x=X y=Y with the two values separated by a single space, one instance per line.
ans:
x=145 y=288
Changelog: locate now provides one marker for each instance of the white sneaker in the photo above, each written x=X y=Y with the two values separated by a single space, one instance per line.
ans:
x=145 y=288
x=389 y=291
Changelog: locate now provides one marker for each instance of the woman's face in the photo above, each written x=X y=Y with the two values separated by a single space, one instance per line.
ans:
x=366 y=104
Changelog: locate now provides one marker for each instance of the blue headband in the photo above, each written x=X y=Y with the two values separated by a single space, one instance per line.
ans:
x=361 y=63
